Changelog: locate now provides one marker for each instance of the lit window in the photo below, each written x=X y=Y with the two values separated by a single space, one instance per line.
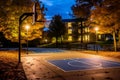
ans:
x=69 y=24
x=87 y=37
x=79 y=31
x=99 y=37
x=84 y=38
x=79 y=39
x=53 y=39
x=86 y=29
x=69 y=38
x=69 y=31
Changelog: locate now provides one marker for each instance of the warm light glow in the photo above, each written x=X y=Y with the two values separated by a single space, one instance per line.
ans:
x=69 y=24
x=69 y=38
x=27 y=27
x=86 y=30
x=96 y=29
x=86 y=38
x=53 y=40
x=79 y=39
x=46 y=40
x=79 y=31
x=99 y=36
x=69 y=31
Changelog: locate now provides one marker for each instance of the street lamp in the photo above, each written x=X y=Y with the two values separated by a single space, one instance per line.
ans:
x=27 y=28
x=96 y=31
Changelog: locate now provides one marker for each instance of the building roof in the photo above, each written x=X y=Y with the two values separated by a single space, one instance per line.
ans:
x=74 y=20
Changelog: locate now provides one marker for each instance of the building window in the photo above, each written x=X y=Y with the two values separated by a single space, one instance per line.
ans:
x=69 y=31
x=69 y=24
x=86 y=30
x=69 y=38
x=53 y=39
x=99 y=36
x=79 y=31
x=87 y=38
x=79 y=39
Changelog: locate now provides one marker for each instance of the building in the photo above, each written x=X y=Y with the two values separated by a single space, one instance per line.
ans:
x=77 y=30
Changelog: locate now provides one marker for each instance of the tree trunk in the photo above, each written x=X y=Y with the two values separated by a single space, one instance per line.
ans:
x=56 y=41
x=119 y=39
x=115 y=45
x=61 y=39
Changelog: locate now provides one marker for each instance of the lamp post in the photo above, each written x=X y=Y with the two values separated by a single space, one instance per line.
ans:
x=96 y=31
x=27 y=28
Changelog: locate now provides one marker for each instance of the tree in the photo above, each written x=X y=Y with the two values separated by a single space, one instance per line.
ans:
x=57 y=27
x=3 y=13
x=12 y=10
x=107 y=18
x=82 y=8
x=101 y=13
x=75 y=33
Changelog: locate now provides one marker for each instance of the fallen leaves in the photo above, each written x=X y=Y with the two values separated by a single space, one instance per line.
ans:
x=9 y=67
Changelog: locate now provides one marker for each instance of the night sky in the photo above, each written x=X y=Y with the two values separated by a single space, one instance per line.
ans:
x=62 y=7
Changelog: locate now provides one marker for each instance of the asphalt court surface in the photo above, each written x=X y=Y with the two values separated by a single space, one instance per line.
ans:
x=78 y=64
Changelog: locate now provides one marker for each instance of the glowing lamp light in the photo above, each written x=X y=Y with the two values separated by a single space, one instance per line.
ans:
x=96 y=29
x=27 y=27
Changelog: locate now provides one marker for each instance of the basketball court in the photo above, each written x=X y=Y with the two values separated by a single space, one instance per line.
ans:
x=78 y=64
x=69 y=65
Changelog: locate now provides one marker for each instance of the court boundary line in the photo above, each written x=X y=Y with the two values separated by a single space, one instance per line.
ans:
x=98 y=66
x=82 y=69
x=55 y=65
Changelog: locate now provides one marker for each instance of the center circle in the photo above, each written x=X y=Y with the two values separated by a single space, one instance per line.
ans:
x=83 y=64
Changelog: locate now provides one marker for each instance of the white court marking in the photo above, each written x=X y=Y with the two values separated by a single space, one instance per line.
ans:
x=79 y=64
x=93 y=64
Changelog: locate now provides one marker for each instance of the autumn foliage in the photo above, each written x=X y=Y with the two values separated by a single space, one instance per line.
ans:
x=10 y=11
x=103 y=14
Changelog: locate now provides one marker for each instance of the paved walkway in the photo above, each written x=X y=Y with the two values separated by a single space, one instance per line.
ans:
x=37 y=67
